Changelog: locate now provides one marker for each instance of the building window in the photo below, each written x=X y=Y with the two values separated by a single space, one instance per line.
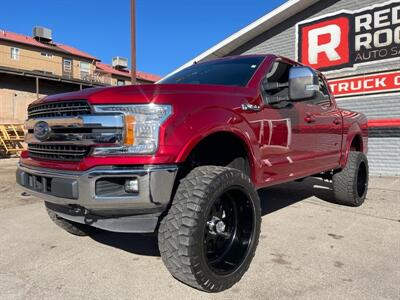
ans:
x=14 y=53
x=67 y=67
x=85 y=71
x=120 y=82
x=46 y=54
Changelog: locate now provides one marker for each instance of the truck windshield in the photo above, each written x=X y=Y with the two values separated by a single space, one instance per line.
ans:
x=237 y=72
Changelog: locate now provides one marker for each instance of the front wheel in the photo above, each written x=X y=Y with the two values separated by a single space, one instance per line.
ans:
x=210 y=234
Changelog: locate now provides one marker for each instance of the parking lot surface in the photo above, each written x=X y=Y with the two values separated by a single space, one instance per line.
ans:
x=310 y=248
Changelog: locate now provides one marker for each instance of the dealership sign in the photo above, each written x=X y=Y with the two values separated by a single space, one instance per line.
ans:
x=366 y=84
x=350 y=38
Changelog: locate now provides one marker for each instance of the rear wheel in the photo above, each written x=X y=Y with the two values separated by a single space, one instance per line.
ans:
x=350 y=185
x=210 y=234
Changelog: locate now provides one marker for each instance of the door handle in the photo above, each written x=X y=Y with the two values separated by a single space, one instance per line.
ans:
x=309 y=118
x=337 y=121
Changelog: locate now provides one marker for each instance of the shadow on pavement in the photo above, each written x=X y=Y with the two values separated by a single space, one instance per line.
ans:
x=272 y=199
x=283 y=195
x=136 y=243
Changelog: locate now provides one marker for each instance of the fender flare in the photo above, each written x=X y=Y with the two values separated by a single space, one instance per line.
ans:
x=218 y=120
x=354 y=130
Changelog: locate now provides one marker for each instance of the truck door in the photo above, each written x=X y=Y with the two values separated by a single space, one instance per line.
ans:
x=281 y=144
x=322 y=128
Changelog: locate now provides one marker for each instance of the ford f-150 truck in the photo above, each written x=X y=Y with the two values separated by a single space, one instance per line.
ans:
x=184 y=158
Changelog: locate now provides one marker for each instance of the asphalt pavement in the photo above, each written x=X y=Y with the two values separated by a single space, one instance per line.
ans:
x=310 y=248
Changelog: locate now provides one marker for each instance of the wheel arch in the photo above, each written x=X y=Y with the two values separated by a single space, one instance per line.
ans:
x=357 y=143
x=232 y=142
x=353 y=141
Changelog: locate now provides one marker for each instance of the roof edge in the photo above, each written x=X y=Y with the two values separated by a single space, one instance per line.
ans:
x=24 y=39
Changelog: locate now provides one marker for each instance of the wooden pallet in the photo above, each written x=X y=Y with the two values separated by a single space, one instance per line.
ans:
x=11 y=139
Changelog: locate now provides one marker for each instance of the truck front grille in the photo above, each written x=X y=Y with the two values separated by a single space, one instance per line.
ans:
x=59 y=109
x=58 y=152
x=72 y=130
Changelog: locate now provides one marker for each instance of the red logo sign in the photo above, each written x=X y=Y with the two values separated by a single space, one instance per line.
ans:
x=350 y=38
x=326 y=44
x=366 y=84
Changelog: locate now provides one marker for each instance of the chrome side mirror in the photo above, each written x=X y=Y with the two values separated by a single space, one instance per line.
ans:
x=303 y=83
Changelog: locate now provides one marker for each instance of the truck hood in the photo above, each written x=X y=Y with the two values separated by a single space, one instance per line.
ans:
x=149 y=93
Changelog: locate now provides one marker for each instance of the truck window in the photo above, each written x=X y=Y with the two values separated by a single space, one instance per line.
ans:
x=322 y=97
x=279 y=73
x=236 y=72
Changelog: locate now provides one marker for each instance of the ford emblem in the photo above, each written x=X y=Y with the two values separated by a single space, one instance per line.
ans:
x=42 y=131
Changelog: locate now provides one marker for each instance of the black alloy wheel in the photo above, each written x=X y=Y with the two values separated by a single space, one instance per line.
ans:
x=228 y=231
x=362 y=179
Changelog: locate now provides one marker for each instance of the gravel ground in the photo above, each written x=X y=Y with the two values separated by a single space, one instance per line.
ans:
x=309 y=249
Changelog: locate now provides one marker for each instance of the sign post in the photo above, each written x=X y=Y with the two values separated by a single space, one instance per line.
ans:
x=133 y=42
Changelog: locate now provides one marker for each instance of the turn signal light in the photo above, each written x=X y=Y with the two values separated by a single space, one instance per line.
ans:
x=129 y=129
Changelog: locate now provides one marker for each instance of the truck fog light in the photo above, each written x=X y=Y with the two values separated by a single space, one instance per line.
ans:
x=131 y=186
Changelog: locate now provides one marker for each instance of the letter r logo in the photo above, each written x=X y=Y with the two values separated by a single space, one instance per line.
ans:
x=325 y=44
x=324 y=40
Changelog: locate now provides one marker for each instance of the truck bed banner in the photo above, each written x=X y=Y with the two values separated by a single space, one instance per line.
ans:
x=349 y=38
x=366 y=84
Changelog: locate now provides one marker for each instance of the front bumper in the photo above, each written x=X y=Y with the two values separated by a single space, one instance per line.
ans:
x=98 y=194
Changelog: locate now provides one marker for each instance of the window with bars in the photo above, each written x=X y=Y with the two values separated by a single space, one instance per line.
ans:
x=15 y=53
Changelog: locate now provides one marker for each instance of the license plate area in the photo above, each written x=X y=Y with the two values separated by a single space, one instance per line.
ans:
x=38 y=183
x=54 y=186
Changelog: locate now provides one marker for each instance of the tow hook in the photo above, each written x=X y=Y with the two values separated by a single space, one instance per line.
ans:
x=78 y=210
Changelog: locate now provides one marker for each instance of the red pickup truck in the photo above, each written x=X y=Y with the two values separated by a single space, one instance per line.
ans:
x=185 y=157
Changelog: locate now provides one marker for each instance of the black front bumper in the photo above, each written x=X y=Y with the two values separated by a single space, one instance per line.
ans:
x=120 y=221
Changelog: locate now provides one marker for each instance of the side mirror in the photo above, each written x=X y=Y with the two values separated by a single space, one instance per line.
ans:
x=272 y=86
x=303 y=83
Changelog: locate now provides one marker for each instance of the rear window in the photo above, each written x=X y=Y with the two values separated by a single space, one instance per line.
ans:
x=236 y=72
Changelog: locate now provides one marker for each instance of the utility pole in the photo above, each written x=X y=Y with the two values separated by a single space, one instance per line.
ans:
x=133 y=41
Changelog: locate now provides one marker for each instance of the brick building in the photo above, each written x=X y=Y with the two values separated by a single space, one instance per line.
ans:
x=32 y=67
x=357 y=46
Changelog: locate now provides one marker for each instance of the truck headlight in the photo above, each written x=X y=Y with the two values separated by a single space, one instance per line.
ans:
x=142 y=126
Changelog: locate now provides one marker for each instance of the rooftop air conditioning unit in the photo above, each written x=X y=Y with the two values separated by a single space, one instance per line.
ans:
x=42 y=34
x=119 y=62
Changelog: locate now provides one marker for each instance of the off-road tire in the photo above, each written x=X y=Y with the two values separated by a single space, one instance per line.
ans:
x=72 y=227
x=181 y=232
x=350 y=185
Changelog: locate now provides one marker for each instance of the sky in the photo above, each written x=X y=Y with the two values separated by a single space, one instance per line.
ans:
x=169 y=32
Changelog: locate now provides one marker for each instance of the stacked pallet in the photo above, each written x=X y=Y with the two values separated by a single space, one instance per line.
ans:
x=11 y=139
